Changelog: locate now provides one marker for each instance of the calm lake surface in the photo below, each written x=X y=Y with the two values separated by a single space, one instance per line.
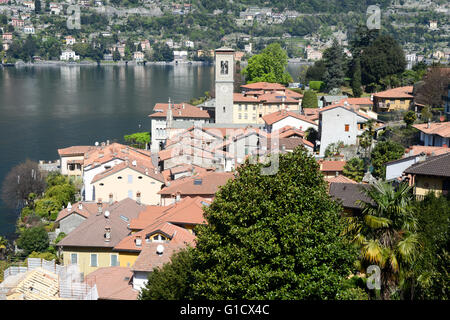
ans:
x=43 y=108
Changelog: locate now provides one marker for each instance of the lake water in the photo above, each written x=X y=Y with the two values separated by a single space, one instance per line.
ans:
x=46 y=108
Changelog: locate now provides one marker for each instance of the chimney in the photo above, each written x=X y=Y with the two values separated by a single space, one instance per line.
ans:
x=428 y=124
x=138 y=241
x=111 y=198
x=99 y=206
x=134 y=163
x=138 y=197
x=69 y=206
x=107 y=233
x=80 y=206
x=177 y=197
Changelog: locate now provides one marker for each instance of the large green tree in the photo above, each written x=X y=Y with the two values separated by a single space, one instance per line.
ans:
x=356 y=79
x=354 y=169
x=336 y=64
x=431 y=271
x=268 y=66
x=383 y=152
x=383 y=57
x=273 y=236
x=310 y=99
x=33 y=240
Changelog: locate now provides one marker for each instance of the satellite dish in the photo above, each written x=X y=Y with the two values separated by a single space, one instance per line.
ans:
x=160 y=249
x=96 y=143
x=106 y=214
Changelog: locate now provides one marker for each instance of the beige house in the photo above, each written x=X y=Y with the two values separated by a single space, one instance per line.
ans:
x=129 y=180
x=71 y=160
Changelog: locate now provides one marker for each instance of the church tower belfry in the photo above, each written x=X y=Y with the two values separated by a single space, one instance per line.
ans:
x=224 y=85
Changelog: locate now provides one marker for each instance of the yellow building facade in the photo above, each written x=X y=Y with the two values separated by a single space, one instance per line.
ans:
x=90 y=259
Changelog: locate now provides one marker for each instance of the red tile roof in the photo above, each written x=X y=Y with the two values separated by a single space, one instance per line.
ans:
x=416 y=150
x=150 y=259
x=74 y=150
x=339 y=179
x=91 y=232
x=145 y=168
x=329 y=165
x=84 y=209
x=356 y=101
x=264 y=86
x=282 y=114
x=113 y=283
x=401 y=92
x=181 y=110
x=102 y=154
x=439 y=128
x=208 y=184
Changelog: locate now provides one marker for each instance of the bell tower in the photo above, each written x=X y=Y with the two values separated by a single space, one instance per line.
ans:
x=224 y=77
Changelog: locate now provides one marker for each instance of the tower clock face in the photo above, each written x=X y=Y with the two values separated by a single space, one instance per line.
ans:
x=224 y=89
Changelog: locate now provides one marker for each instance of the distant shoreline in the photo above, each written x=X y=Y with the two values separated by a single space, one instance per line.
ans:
x=101 y=63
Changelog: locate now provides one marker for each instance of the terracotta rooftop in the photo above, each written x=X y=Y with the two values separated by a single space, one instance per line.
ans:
x=339 y=179
x=91 y=232
x=84 y=209
x=102 y=154
x=188 y=210
x=401 y=92
x=329 y=165
x=174 y=233
x=149 y=258
x=113 y=283
x=264 y=86
x=202 y=184
x=181 y=110
x=75 y=150
x=282 y=114
x=145 y=168
x=356 y=101
x=439 y=128
x=428 y=150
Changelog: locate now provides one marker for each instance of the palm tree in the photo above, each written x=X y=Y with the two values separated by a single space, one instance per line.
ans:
x=385 y=232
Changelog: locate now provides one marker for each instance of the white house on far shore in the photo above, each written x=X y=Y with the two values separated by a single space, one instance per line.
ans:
x=68 y=55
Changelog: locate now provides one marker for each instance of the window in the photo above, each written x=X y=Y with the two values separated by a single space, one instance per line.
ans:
x=119 y=177
x=130 y=178
x=94 y=260
x=245 y=116
x=114 y=260
x=130 y=194
x=347 y=127
x=158 y=238
x=240 y=116
x=246 y=108
x=74 y=258
x=254 y=108
x=224 y=109
x=240 y=107
x=102 y=184
x=224 y=67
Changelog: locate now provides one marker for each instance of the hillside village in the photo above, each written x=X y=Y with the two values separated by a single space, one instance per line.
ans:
x=137 y=207
x=121 y=32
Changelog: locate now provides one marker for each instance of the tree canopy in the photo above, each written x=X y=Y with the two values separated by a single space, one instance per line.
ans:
x=268 y=66
x=273 y=236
